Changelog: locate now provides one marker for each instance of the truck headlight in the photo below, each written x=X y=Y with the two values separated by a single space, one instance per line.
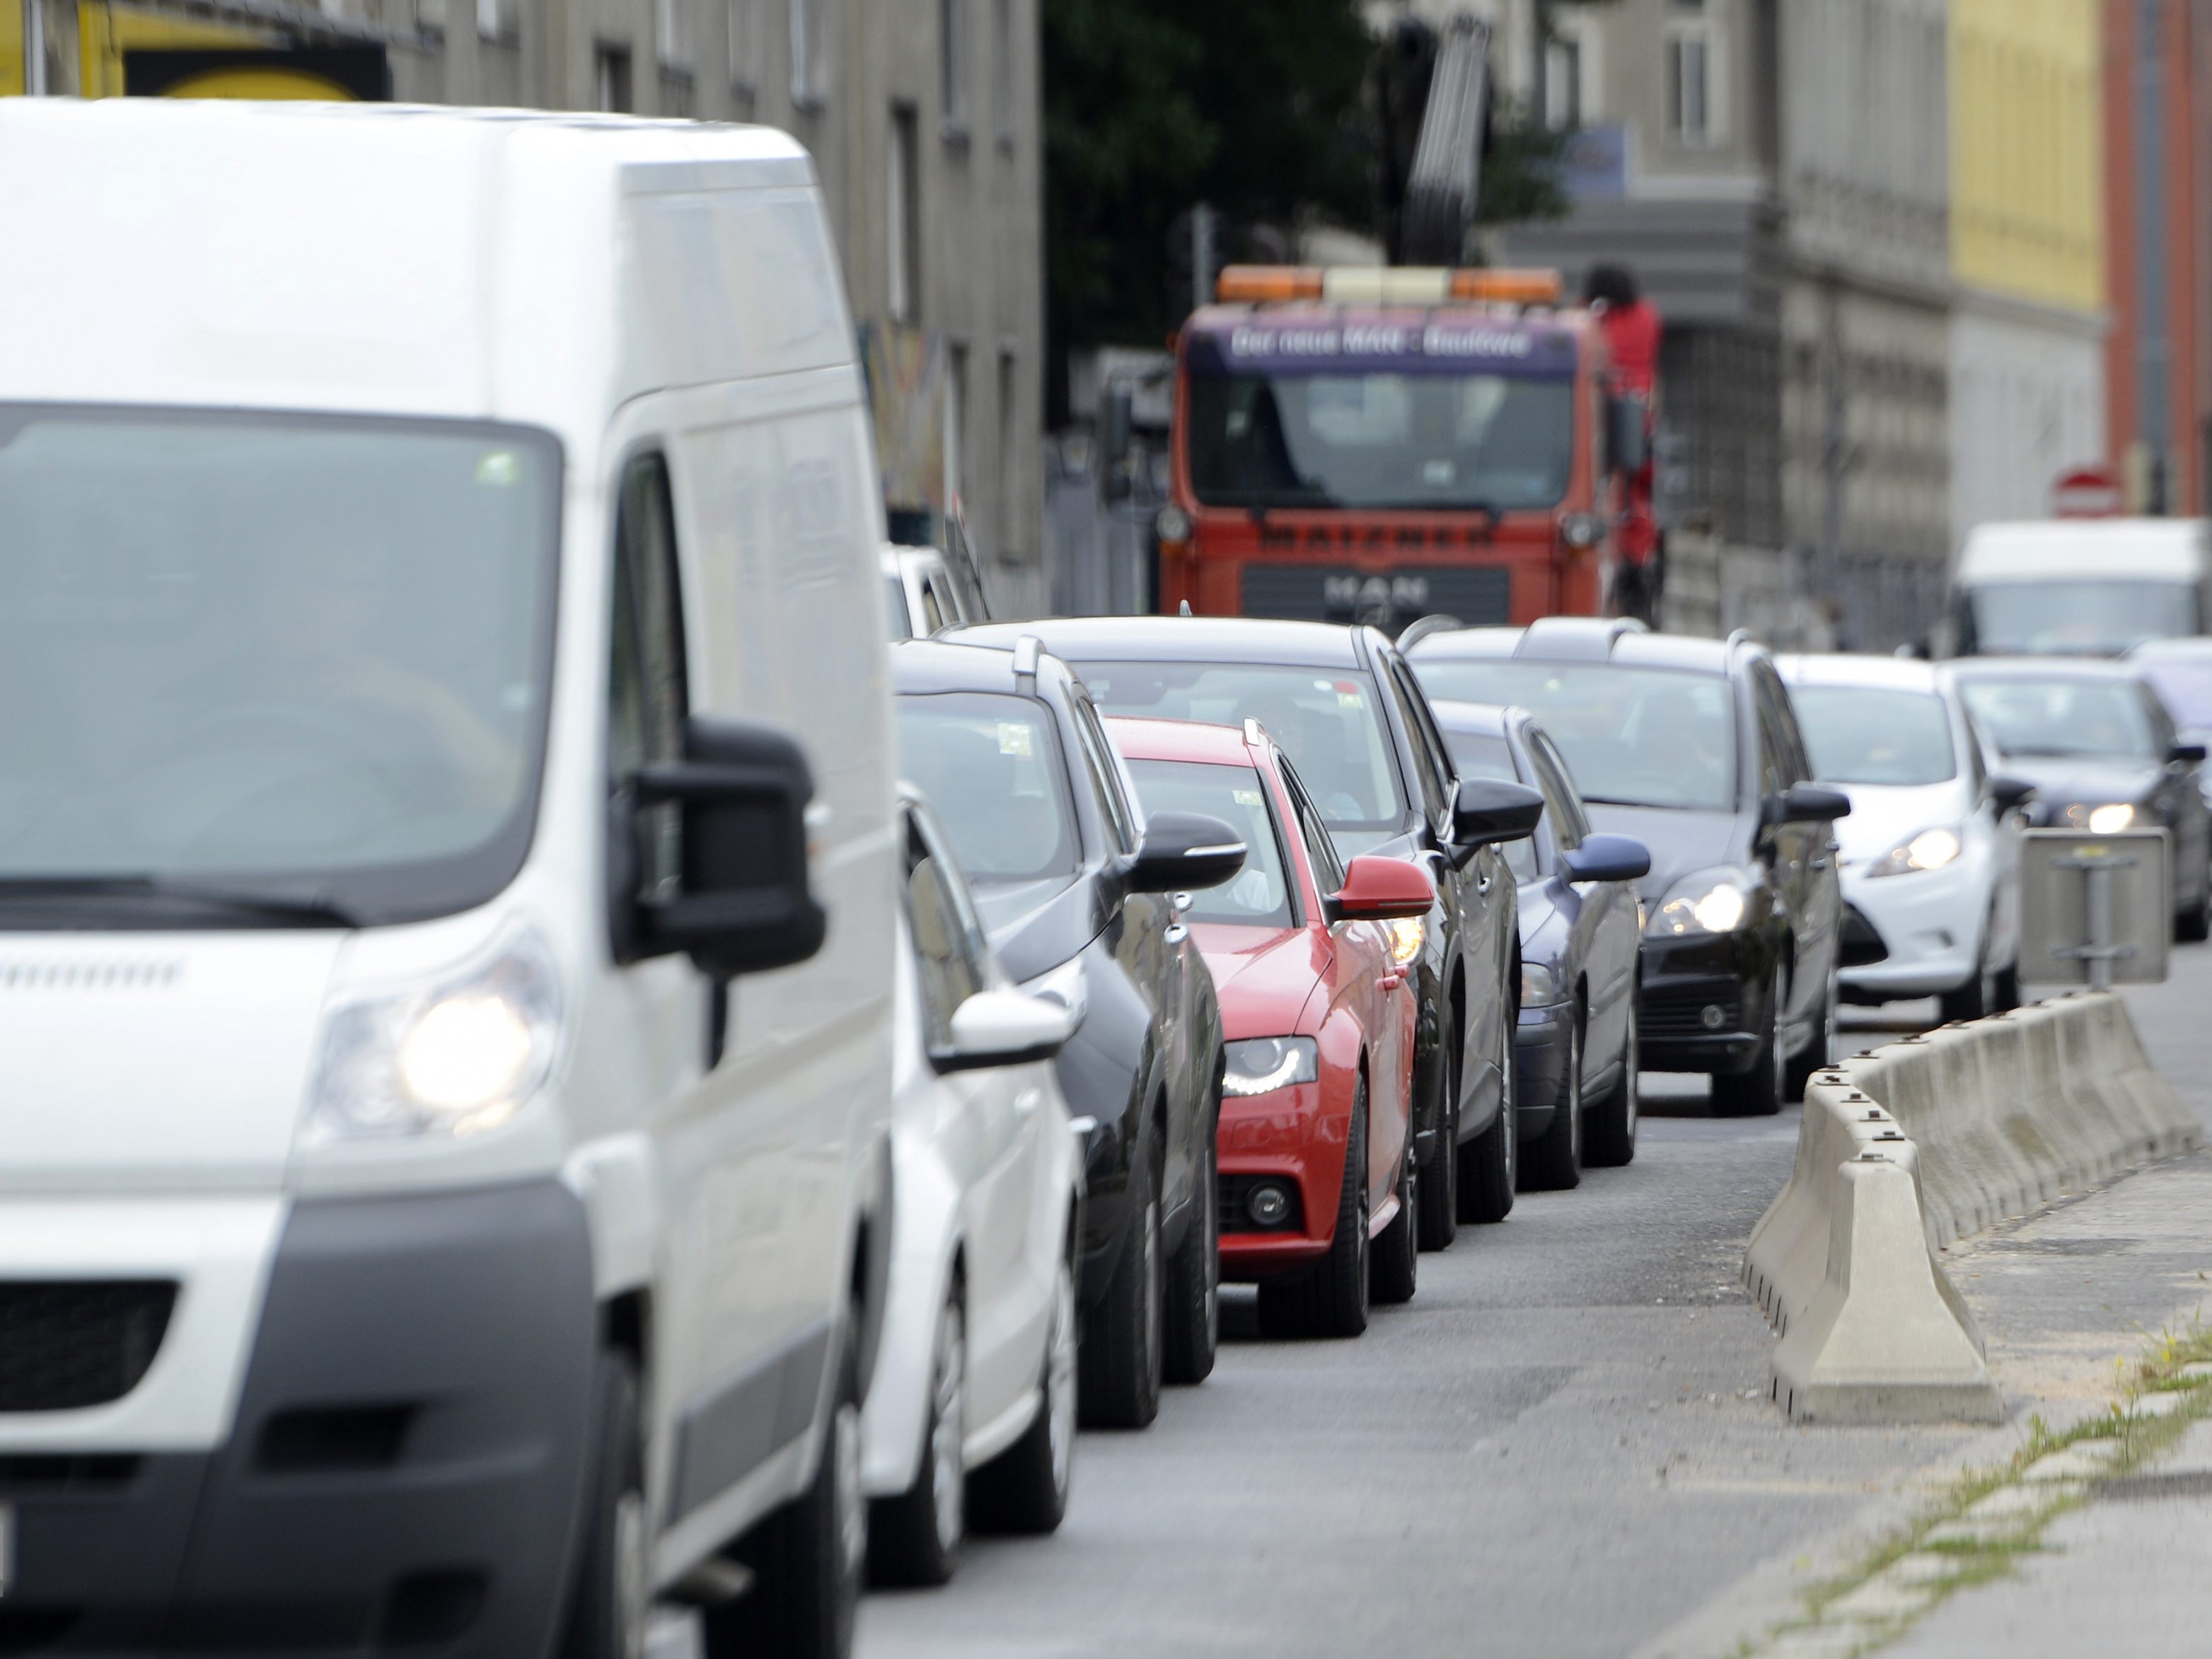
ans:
x=1259 y=1065
x=1931 y=849
x=1710 y=901
x=455 y=1059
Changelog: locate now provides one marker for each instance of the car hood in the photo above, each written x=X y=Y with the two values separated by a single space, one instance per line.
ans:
x=2092 y=778
x=1885 y=815
x=1265 y=976
x=1681 y=841
x=1035 y=926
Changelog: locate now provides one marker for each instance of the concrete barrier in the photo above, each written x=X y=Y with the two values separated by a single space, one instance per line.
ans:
x=1906 y=1149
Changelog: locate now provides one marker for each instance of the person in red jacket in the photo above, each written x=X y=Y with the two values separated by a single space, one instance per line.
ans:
x=1632 y=330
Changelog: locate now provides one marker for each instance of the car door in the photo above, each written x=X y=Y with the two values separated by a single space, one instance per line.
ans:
x=1606 y=926
x=1802 y=854
x=2179 y=803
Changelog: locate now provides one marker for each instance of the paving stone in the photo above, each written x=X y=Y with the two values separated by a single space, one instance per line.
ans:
x=1820 y=1642
x=1918 y=1570
x=2196 y=1370
x=2020 y=1503
x=2163 y=1404
x=2085 y=1460
x=1878 y=1603
x=1977 y=1532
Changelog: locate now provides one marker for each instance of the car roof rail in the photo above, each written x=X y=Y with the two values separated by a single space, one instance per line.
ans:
x=1255 y=733
x=1029 y=650
x=1575 y=639
x=1435 y=622
x=1738 y=636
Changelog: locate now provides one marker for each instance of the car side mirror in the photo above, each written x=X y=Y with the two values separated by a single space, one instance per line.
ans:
x=1608 y=858
x=1005 y=1028
x=1185 y=850
x=2186 y=754
x=1487 y=810
x=1377 y=888
x=746 y=903
x=1805 y=803
x=2010 y=794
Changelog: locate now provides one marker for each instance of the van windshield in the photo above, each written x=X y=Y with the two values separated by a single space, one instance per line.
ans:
x=2077 y=618
x=299 y=662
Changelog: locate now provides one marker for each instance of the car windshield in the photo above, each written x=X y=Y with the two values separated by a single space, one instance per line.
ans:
x=1259 y=896
x=2061 y=716
x=991 y=766
x=1327 y=720
x=2079 y=619
x=1424 y=439
x=2185 y=685
x=1633 y=737
x=297 y=658
x=1874 y=735
x=1478 y=754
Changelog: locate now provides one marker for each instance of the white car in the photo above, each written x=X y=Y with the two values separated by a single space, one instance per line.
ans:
x=1930 y=852
x=974 y=1394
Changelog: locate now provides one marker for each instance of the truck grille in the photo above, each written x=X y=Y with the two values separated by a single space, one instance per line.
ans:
x=68 y=1345
x=1389 y=598
x=1678 y=1011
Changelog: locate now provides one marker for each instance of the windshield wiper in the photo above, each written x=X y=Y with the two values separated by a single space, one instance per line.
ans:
x=310 y=910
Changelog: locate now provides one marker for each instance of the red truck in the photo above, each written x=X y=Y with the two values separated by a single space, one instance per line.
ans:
x=1377 y=444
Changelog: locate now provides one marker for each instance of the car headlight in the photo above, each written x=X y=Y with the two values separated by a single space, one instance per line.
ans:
x=455 y=1059
x=1258 y=1066
x=2110 y=820
x=1931 y=849
x=1710 y=901
x=1064 y=985
x=1540 y=985
x=1406 y=934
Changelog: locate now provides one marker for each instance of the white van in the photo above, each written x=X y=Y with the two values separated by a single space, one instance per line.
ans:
x=443 y=1141
x=2080 y=587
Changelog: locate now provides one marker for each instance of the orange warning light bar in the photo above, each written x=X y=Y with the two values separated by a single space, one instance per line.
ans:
x=1511 y=286
x=1385 y=285
x=1259 y=284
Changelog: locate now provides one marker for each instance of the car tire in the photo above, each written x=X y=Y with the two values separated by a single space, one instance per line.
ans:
x=613 y=1590
x=1609 y=1136
x=1813 y=1056
x=1024 y=1489
x=914 y=1538
x=1394 y=1263
x=1759 y=1091
x=1439 y=1216
x=1193 y=1319
x=2008 y=989
x=1554 y=1163
x=807 y=1559
x=1976 y=999
x=1123 y=1336
x=2194 y=925
x=1331 y=1300
x=1488 y=1163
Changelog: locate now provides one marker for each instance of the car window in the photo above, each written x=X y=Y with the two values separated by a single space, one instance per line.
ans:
x=1778 y=722
x=2060 y=714
x=1431 y=772
x=1774 y=762
x=2162 y=724
x=1104 y=767
x=1261 y=894
x=1977 y=771
x=933 y=614
x=1478 y=754
x=1562 y=805
x=1875 y=734
x=990 y=763
x=647 y=700
x=948 y=947
x=1320 y=844
x=901 y=627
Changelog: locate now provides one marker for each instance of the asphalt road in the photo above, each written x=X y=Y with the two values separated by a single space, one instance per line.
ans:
x=1561 y=1447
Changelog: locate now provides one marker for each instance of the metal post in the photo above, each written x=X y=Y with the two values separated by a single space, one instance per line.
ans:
x=1201 y=255
x=2097 y=922
x=34 y=48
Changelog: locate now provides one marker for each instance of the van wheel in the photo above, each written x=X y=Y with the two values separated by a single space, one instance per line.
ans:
x=1555 y=1161
x=808 y=1557
x=915 y=1538
x=1488 y=1163
x=1332 y=1299
x=1124 y=1336
x=1026 y=1487
x=1193 y=1284
x=614 y=1566
x=1440 y=1180
x=1395 y=1269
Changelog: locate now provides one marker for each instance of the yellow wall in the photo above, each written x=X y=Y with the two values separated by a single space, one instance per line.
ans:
x=2027 y=150
x=105 y=32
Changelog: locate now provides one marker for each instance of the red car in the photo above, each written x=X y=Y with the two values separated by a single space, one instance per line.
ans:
x=1318 y=1022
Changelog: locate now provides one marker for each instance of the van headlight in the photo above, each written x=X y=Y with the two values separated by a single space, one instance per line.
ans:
x=1710 y=901
x=1259 y=1065
x=1931 y=849
x=456 y=1059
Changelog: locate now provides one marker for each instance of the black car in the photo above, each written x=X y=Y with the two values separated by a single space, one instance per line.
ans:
x=1074 y=892
x=1691 y=746
x=1342 y=704
x=2104 y=754
x=1579 y=929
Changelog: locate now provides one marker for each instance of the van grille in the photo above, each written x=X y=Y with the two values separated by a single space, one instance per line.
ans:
x=68 y=1345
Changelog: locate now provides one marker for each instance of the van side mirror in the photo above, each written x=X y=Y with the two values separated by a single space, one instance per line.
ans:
x=1381 y=890
x=1608 y=858
x=1805 y=803
x=2010 y=794
x=1185 y=850
x=1486 y=810
x=745 y=904
x=1005 y=1028
x=2186 y=754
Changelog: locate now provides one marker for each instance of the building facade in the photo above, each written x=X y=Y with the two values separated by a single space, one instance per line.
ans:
x=923 y=118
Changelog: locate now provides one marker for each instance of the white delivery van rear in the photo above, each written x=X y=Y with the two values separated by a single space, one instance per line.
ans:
x=446 y=864
x=2080 y=587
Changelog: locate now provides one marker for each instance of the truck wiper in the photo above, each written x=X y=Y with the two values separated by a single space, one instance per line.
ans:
x=310 y=910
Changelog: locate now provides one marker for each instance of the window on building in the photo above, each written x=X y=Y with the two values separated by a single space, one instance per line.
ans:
x=956 y=421
x=671 y=32
x=809 y=67
x=1002 y=70
x=611 y=80
x=745 y=44
x=952 y=63
x=1004 y=465
x=1563 y=84
x=1689 y=101
x=492 y=18
x=902 y=192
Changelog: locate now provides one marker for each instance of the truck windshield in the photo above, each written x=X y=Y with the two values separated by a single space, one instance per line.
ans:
x=2077 y=618
x=1426 y=441
x=300 y=661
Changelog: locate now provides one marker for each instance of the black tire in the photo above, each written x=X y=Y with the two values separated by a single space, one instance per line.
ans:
x=808 y=1558
x=1977 y=997
x=1439 y=1216
x=1758 y=1092
x=1193 y=1317
x=2008 y=989
x=613 y=1590
x=1331 y=1300
x=2194 y=925
x=1554 y=1162
x=1393 y=1266
x=1813 y=1056
x=914 y=1538
x=1123 y=1336
x=1488 y=1163
x=1024 y=1489
x=1609 y=1136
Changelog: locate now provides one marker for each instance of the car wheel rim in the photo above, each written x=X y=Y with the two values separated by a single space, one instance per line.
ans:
x=1060 y=1381
x=1509 y=1109
x=1212 y=1242
x=851 y=1505
x=1633 y=1062
x=1776 y=1048
x=947 y=1482
x=633 y=1573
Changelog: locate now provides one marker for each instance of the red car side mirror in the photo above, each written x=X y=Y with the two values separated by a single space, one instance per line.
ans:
x=1382 y=890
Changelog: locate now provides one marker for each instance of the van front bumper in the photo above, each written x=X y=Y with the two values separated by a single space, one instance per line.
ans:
x=404 y=1468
